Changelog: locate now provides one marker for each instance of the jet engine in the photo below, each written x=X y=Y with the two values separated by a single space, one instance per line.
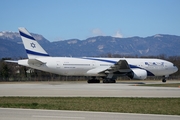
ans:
x=138 y=74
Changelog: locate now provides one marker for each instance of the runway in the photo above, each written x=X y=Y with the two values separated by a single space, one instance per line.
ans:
x=82 y=89
x=32 y=114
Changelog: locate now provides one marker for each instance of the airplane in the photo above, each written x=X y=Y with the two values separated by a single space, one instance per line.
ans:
x=107 y=68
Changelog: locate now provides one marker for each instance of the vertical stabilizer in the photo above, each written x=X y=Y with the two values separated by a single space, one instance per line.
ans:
x=33 y=48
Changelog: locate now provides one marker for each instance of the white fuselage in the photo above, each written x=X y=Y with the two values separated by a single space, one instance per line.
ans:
x=93 y=66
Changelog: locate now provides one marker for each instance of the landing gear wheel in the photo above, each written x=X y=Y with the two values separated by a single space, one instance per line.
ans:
x=163 y=80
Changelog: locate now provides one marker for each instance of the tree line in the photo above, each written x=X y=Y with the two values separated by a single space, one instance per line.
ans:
x=15 y=72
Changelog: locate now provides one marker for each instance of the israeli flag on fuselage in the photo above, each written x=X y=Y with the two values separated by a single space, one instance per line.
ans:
x=33 y=48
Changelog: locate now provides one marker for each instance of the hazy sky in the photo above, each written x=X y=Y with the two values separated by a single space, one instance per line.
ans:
x=67 y=19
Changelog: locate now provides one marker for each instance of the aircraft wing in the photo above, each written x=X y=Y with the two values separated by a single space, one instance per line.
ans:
x=121 y=66
x=99 y=70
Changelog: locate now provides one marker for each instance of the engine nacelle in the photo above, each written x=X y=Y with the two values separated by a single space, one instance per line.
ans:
x=138 y=74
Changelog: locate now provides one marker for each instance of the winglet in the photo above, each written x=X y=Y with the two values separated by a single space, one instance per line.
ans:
x=33 y=48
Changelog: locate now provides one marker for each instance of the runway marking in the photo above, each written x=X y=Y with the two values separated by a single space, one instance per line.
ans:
x=58 y=117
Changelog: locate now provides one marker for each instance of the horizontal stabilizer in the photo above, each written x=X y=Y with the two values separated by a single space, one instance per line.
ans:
x=35 y=62
x=11 y=61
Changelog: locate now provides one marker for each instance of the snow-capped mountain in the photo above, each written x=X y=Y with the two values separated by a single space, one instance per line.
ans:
x=11 y=46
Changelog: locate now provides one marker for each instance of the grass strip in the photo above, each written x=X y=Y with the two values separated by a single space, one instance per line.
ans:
x=163 y=85
x=168 y=106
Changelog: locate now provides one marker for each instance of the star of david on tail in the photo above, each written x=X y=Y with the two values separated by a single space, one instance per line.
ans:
x=33 y=48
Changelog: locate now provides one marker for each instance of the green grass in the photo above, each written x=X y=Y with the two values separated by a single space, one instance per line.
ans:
x=169 y=106
x=163 y=85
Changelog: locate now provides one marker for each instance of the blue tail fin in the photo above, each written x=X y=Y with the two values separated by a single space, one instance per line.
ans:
x=33 y=48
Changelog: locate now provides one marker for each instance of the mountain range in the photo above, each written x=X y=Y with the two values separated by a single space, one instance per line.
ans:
x=11 y=46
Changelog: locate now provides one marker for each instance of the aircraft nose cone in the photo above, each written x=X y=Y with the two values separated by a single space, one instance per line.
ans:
x=175 y=69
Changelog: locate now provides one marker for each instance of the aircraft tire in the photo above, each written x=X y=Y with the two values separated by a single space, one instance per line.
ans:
x=163 y=80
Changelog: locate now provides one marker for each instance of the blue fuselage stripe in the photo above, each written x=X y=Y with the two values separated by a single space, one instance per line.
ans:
x=109 y=61
x=26 y=36
x=36 y=53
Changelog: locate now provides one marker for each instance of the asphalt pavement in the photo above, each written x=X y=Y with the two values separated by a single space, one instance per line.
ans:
x=83 y=89
x=32 y=114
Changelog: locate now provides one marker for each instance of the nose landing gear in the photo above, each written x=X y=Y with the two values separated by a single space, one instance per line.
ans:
x=164 y=79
